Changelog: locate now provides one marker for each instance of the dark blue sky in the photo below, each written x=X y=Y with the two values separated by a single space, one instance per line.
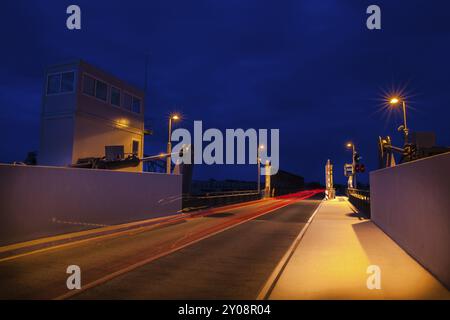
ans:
x=310 y=68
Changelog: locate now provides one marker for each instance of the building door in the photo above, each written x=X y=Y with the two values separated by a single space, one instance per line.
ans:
x=135 y=148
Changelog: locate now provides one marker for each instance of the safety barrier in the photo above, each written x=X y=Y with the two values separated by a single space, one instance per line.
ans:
x=214 y=199
x=360 y=199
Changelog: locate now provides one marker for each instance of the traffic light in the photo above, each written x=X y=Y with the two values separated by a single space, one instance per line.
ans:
x=356 y=157
x=359 y=167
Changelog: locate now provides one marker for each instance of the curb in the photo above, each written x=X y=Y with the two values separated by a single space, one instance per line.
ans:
x=271 y=282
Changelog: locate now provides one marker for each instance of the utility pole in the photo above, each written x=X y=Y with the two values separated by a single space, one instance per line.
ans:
x=169 y=148
x=267 y=187
x=258 y=162
x=330 y=192
x=352 y=174
x=354 y=166
x=394 y=101
x=169 y=143
x=146 y=74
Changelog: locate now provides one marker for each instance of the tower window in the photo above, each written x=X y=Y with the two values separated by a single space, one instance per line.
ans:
x=101 y=90
x=60 y=82
x=89 y=85
x=115 y=96
x=135 y=148
x=53 y=83
x=67 y=80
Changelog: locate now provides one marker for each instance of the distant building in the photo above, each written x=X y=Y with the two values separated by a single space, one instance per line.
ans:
x=84 y=110
x=285 y=182
x=202 y=187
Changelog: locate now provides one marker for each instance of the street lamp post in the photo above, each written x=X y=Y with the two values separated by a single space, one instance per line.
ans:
x=352 y=145
x=258 y=161
x=174 y=117
x=394 y=101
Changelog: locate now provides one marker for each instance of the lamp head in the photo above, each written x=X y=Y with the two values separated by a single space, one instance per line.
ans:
x=394 y=100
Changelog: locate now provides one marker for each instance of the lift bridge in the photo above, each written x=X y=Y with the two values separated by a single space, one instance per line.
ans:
x=421 y=145
x=116 y=159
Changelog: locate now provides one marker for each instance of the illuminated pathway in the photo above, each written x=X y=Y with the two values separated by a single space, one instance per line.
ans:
x=222 y=253
x=332 y=259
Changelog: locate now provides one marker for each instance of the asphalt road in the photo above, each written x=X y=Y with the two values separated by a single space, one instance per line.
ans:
x=233 y=264
x=147 y=262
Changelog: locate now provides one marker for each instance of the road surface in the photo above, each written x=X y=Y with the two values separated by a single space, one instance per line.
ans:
x=225 y=255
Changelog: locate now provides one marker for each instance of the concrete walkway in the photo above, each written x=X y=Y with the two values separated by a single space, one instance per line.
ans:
x=332 y=258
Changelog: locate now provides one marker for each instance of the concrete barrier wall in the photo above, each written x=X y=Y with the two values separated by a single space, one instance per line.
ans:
x=411 y=203
x=40 y=201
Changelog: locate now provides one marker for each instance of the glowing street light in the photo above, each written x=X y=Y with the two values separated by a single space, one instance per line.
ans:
x=395 y=101
x=174 y=117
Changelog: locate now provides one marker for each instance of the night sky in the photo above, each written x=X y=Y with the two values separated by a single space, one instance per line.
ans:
x=309 y=68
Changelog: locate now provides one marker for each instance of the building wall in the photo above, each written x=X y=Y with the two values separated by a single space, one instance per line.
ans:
x=38 y=201
x=57 y=121
x=411 y=203
x=56 y=140
x=201 y=187
x=105 y=110
x=99 y=123
x=91 y=137
x=76 y=125
x=284 y=183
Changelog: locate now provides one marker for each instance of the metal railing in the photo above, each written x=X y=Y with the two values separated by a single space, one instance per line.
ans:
x=360 y=199
x=214 y=199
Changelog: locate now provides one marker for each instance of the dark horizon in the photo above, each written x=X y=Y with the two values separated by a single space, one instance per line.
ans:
x=313 y=70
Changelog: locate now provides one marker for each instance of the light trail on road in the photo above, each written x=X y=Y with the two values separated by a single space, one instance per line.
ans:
x=42 y=275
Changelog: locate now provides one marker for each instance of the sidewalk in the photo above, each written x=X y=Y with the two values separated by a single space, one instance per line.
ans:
x=331 y=261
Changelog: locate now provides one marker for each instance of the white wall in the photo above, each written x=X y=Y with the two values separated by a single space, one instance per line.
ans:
x=56 y=141
x=57 y=121
x=411 y=203
x=32 y=198
x=92 y=135
x=75 y=125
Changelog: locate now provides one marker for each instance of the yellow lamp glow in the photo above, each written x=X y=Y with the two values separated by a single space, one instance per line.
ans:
x=394 y=101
